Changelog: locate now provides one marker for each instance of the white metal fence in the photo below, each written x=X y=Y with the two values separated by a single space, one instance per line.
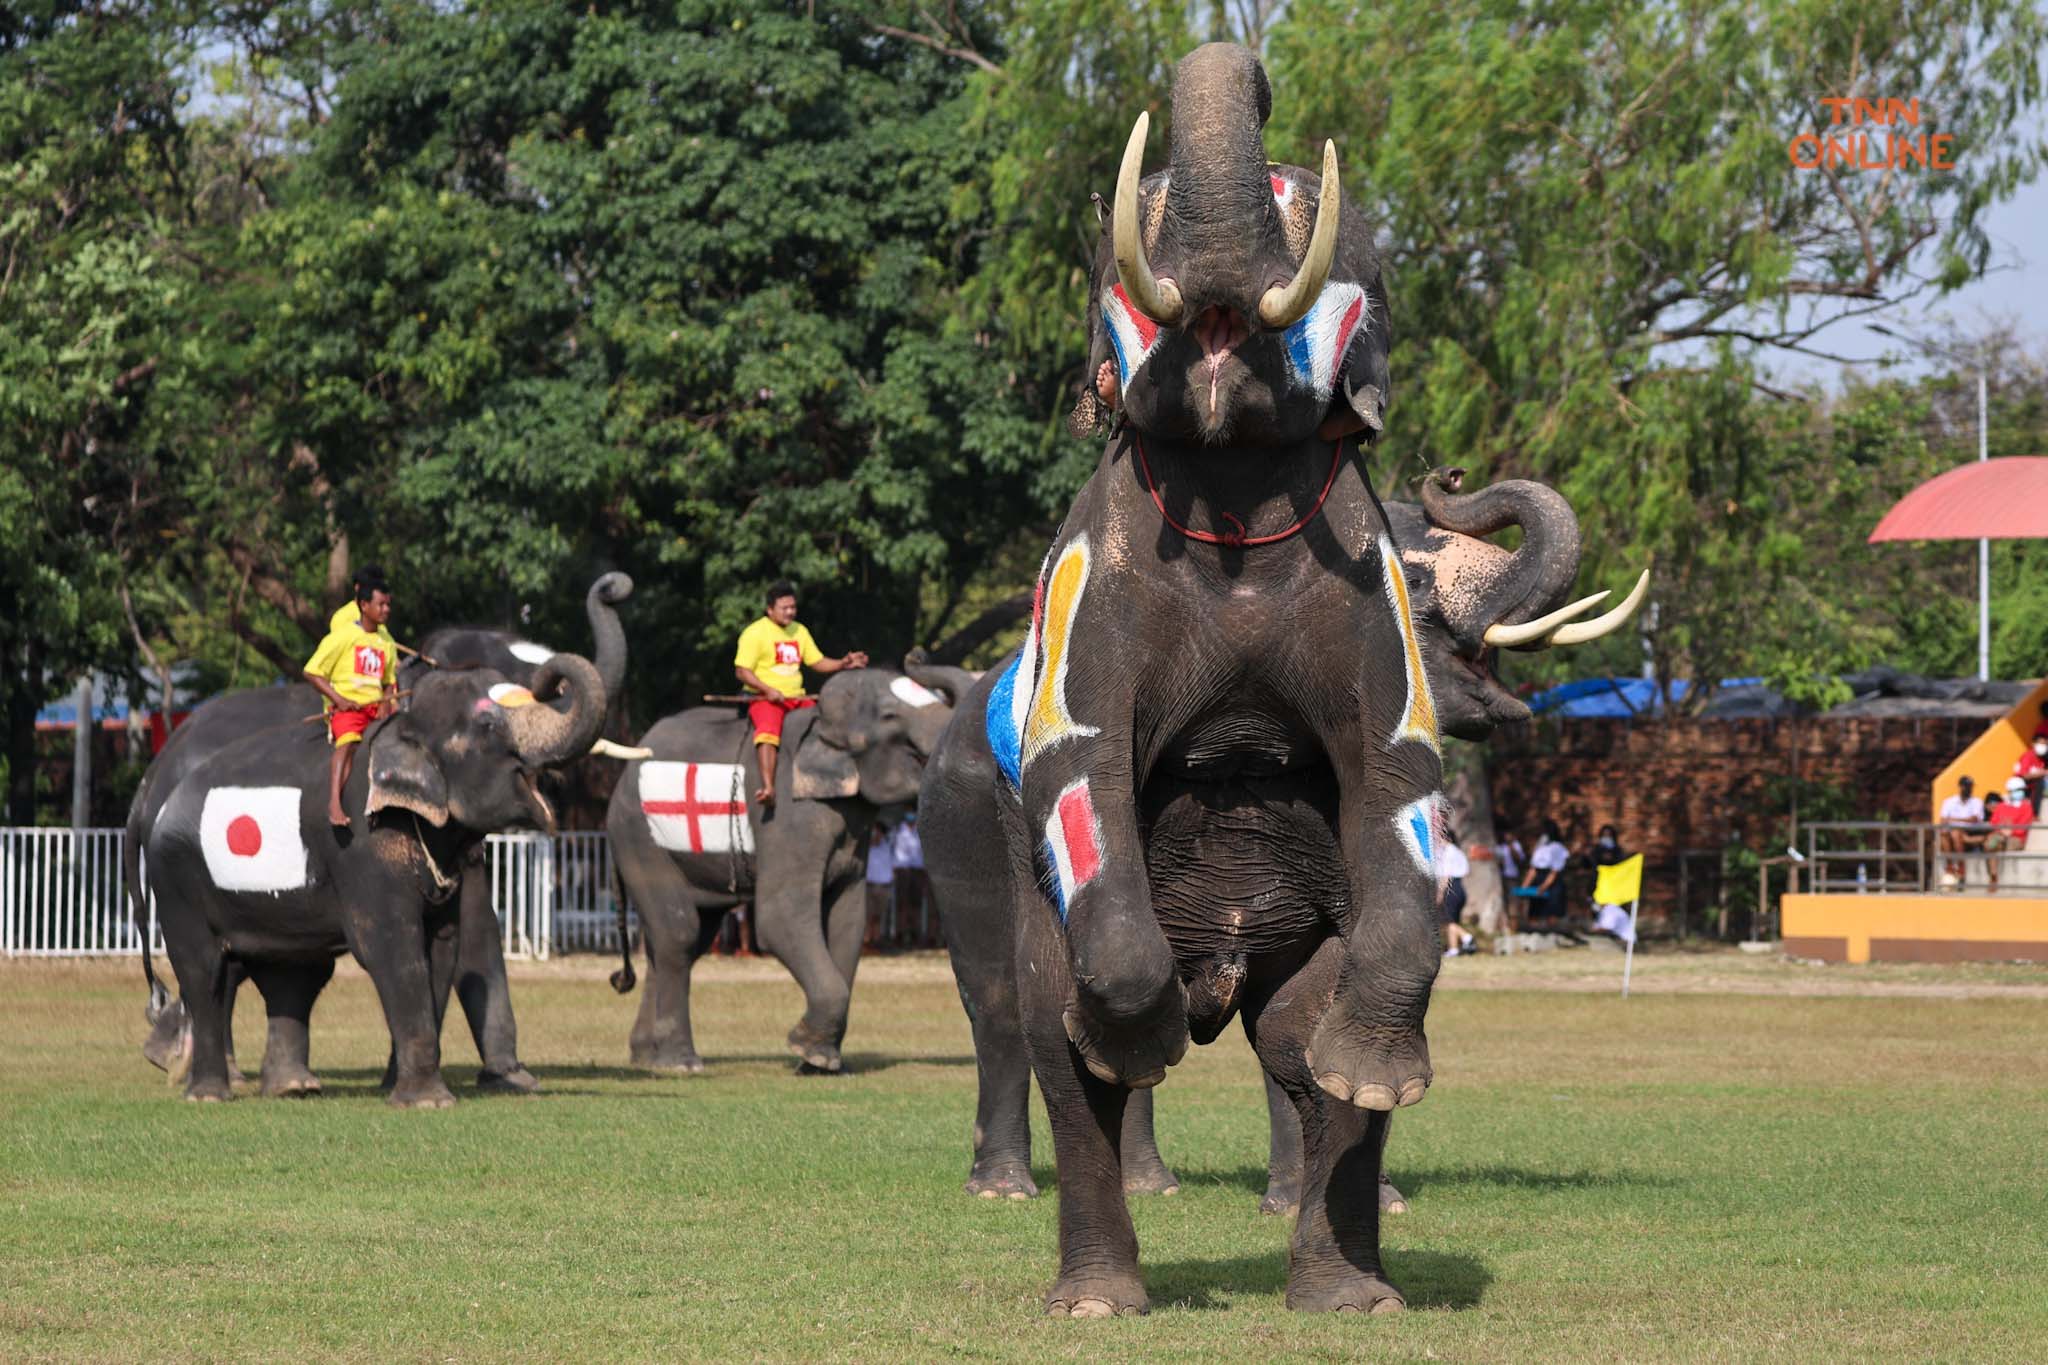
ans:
x=63 y=894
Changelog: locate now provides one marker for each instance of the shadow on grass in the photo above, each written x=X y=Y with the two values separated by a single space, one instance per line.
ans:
x=1428 y=1279
x=1412 y=1179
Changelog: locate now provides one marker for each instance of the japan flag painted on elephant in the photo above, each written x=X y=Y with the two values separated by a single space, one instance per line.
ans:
x=251 y=838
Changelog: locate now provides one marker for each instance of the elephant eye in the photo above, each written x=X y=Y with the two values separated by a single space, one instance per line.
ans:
x=891 y=717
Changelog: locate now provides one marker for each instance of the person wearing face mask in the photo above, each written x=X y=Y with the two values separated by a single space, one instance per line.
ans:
x=1607 y=850
x=2030 y=767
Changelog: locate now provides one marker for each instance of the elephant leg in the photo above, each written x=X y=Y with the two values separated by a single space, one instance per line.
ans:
x=289 y=992
x=845 y=926
x=391 y=943
x=202 y=972
x=789 y=925
x=675 y=932
x=236 y=974
x=1098 y=1245
x=975 y=900
x=1145 y=1170
x=1334 y=1262
x=1283 y=1161
x=1369 y=1048
x=481 y=987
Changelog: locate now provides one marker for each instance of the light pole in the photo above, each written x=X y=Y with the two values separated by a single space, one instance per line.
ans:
x=1983 y=453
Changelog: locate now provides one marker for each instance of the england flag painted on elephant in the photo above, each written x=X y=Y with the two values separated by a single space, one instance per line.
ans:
x=1132 y=335
x=1316 y=344
x=696 y=807
x=251 y=840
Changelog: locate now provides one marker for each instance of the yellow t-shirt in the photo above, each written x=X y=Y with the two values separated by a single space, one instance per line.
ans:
x=777 y=655
x=358 y=663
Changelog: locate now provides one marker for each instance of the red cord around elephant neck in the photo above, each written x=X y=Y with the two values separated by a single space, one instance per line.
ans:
x=1236 y=539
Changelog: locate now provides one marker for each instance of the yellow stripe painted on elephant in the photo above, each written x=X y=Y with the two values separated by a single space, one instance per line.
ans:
x=1418 y=714
x=1050 y=721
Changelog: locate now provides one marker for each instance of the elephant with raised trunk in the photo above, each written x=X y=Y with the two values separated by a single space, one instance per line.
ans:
x=1208 y=786
x=480 y=984
x=689 y=844
x=248 y=876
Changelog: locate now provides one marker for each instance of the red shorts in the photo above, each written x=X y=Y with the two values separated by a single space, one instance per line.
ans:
x=346 y=727
x=768 y=713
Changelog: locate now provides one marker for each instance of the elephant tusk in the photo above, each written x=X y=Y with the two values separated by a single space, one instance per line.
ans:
x=1156 y=298
x=1578 y=632
x=1285 y=305
x=605 y=748
x=1534 y=634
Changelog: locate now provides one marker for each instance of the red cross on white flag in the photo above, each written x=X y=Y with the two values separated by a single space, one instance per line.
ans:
x=690 y=807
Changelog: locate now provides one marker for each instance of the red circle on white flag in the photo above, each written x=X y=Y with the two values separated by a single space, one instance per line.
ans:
x=245 y=837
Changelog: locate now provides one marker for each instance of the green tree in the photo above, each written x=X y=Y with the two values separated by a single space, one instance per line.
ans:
x=90 y=293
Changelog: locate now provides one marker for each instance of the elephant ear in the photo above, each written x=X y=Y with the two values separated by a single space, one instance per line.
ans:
x=403 y=774
x=822 y=771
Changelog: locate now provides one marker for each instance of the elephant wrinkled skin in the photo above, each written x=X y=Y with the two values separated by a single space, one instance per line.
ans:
x=1209 y=785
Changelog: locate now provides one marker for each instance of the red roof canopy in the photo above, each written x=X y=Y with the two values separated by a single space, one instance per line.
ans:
x=2004 y=499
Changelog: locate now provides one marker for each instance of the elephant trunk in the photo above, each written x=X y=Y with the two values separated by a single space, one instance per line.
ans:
x=547 y=737
x=1219 y=200
x=949 y=682
x=607 y=634
x=1536 y=577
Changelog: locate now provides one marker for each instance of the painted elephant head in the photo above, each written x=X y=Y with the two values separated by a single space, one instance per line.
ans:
x=1236 y=300
x=1471 y=597
x=874 y=730
x=518 y=658
x=469 y=746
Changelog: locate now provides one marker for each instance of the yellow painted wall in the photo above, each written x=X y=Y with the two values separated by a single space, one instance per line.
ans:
x=1968 y=919
x=1990 y=757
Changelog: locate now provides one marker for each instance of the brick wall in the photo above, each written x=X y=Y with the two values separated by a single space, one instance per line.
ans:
x=1702 y=784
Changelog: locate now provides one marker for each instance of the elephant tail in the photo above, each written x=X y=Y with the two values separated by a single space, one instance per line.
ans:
x=623 y=979
x=133 y=871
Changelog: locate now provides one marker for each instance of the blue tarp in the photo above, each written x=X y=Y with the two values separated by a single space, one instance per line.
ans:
x=1617 y=697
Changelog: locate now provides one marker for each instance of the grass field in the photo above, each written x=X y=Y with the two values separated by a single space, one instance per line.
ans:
x=1749 y=1158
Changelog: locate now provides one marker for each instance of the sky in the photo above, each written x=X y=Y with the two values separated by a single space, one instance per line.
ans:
x=2014 y=289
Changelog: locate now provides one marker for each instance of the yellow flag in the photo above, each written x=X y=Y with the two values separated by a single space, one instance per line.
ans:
x=1620 y=883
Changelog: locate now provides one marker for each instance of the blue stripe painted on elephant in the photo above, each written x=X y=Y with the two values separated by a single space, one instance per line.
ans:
x=1003 y=740
x=1049 y=879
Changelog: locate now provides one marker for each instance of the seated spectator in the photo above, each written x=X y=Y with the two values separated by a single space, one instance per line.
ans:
x=1545 y=875
x=1962 y=830
x=1452 y=867
x=1606 y=851
x=2010 y=821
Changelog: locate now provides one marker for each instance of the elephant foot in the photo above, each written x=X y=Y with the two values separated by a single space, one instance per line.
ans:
x=428 y=1094
x=1134 y=1054
x=1391 y=1199
x=169 y=1045
x=512 y=1080
x=1097 y=1294
x=235 y=1076
x=1367 y=1066
x=289 y=1083
x=1001 y=1180
x=1283 y=1195
x=216 y=1091
x=1351 y=1292
x=675 y=1061
x=1150 y=1177
x=819 y=1054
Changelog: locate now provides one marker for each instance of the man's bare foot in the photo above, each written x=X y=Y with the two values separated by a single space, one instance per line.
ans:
x=337 y=817
x=1105 y=382
x=765 y=796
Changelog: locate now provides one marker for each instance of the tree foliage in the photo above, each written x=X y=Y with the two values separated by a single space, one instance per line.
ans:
x=504 y=295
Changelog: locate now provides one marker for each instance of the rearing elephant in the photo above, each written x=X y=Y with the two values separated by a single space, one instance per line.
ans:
x=689 y=845
x=1214 y=766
